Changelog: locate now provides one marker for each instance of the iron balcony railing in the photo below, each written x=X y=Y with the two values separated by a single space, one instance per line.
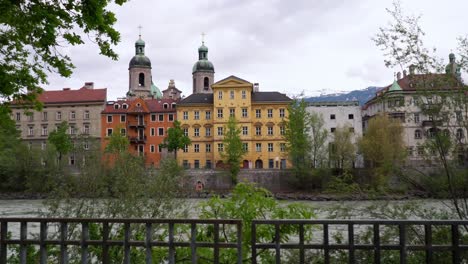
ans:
x=65 y=240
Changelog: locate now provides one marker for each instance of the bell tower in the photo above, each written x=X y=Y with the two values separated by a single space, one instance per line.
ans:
x=203 y=71
x=139 y=69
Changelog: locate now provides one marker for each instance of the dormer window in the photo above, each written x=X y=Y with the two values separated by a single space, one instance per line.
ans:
x=173 y=106
x=138 y=104
x=124 y=106
x=165 y=106
x=116 y=106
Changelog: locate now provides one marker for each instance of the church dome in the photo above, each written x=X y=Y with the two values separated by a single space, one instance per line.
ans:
x=203 y=65
x=140 y=61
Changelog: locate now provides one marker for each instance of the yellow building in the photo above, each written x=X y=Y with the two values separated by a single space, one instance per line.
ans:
x=260 y=116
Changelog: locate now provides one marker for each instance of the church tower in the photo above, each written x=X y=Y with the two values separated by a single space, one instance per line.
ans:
x=203 y=72
x=140 y=78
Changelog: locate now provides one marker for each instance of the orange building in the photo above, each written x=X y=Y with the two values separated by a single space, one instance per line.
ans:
x=143 y=122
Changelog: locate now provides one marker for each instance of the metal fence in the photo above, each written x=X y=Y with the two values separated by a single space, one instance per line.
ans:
x=457 y=236
x=64 y=240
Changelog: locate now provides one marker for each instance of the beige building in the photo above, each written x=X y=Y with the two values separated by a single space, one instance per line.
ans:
x=80 y=108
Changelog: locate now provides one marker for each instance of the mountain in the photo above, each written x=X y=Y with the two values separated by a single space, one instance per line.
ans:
x=357 y=95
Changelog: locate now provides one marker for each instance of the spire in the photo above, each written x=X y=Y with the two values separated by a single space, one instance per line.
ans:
x=139 y=44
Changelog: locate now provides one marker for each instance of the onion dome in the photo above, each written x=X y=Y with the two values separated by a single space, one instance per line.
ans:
x=203 y=64
x=140 y=60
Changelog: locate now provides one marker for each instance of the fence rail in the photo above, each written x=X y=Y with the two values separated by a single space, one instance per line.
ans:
x=377 y=244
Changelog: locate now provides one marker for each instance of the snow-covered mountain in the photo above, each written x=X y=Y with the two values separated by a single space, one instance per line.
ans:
x=357 y=95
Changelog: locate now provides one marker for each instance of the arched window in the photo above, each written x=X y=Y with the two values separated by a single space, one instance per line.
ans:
x=116 y=106
x=141 y=79
x=431 y=132
x=206 y=83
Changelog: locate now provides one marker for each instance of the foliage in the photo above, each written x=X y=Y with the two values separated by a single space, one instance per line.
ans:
x=118 y=143
x=32 y=34
x=343 y=184
x=319 y=136
x=343 y=152
x=233 y=148
x=61 y=140
x=176 y=139
x=297 y=128
x=248 y=203
x=382 y=145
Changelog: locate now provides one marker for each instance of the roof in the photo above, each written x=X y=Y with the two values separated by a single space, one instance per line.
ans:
x=269 y=97
x=201 y=98
x=231 y=77
x=67 y=95
x=153 y=105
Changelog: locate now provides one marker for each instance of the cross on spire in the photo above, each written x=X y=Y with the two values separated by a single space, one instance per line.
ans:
x=139 y=30
x=203 y=37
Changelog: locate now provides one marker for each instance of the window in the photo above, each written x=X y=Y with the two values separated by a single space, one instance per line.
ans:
x=459 y=133
x=207 y=115
x=196 y=115
x=153 y=117
x=281 y=112
x=30 y=117
x=220 y=131
x=208 y=131
x=30 y=131
x=270 y=113
x=58 y=115
x=196 y=132
x=417 y=134
x=220 y=113
x=282 y=130
x=282 y=147
x=72 y=115
x=420 y=151
x=244 y=112
x=141 y=79
x=231 y=95
x=72 y=130
x=409 y=151
x=208 y=164
x=220 y=147
x=196 y=164
x=186 y=132
x=166 y=106
x=45 y=131
x=161 y=117
x=109 y=132
x=332 y=116
x=206 y=83
x=160 y=148
x=43 y=145
x=109 y=119
x=416 y=117
x=270 y=131
x=124 y=106
x=152 y=132
x=258 y=147
x=431 y=132
x=160 y=131
x=171 y=117
x=185 y=164
x=245 y=147
x=270 y=147
x=123 y=132
x=18 y=116
x=208 y=148
x=220 y=95
x=333 y=129
x=86 y=129
x=185 y=115
x=152 y=149
x=71 y=160
x=258 y=131
x=245 y=130
x=86 y=114
x=123 y=118
x=44 y=116
x=350 y=116
x=351 y=129
x=258 y=113
x=196 y=147
x=244 y=94
x=185 y=149
x=232 y=112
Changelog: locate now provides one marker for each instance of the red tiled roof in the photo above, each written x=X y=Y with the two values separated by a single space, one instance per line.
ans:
x=154 y=105
x=73 y=96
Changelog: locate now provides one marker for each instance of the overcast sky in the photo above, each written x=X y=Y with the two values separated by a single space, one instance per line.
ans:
x=315 y=46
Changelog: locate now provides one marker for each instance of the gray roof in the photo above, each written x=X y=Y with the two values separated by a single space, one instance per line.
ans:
x=200 y=98
x=269 y=97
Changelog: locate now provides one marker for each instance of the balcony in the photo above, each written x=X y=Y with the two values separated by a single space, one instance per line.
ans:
x=137 y=139
x=137 y=124
x=431 y=123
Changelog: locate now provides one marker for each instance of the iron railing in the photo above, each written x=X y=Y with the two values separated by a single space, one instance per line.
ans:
x=64 y=240
x=457 y=246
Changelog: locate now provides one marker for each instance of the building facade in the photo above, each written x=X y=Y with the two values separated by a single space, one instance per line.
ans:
x=80 y=108
x=259 y=115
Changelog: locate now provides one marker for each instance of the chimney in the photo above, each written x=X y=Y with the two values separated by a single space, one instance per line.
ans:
x=398 y=75
x=404 y=73
x=89 y=85
x=256 y=87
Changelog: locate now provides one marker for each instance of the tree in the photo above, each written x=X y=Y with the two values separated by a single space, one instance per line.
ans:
x=61 y=140
x=233 y=148
x=118 y=143
x=344 y=150
x=297 y=128
x=176 y=139
x=319 y=136
x=32 y=34
x=383 y=147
